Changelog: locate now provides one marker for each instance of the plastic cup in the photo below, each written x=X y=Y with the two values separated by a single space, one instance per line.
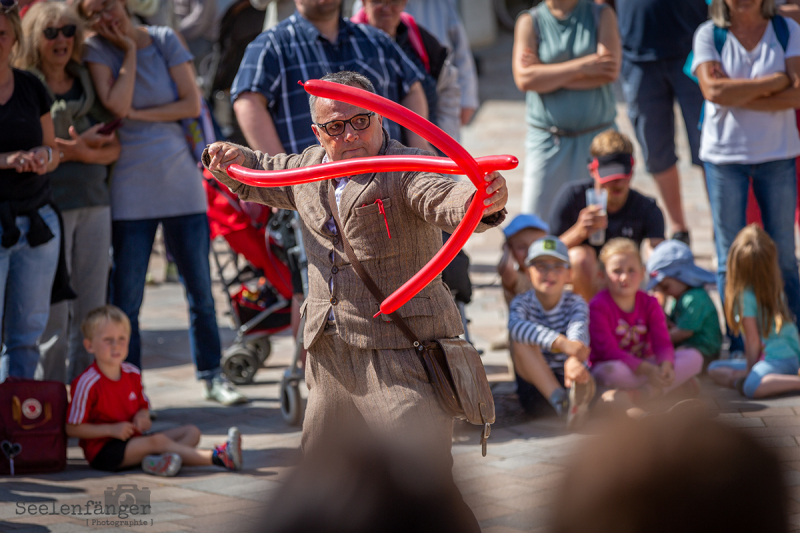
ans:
x=598 y=197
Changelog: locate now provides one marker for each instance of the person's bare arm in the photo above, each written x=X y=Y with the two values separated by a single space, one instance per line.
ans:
x=588 y=222
x=609 y=48
x=415 y=101
x=678 y=335
x=530 y=74
x=719 y=89
x=257 y=124
x=186 y=106
x=116 y=94
x=120 y=430
x=78 y=149
x=789 y=98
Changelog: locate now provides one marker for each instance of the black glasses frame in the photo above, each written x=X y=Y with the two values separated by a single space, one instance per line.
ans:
x=67 y=30
x=344 y=124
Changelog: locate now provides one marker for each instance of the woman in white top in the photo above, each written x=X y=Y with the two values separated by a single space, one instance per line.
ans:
x=747 y=61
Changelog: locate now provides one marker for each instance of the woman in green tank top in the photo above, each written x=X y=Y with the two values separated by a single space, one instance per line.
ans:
x=566 y=55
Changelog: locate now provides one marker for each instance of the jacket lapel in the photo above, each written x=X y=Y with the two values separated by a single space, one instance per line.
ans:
x=354 y=190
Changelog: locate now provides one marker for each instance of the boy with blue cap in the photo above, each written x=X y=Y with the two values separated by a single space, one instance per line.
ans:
x=520 y=233
x=693 y=320
x=549 y=327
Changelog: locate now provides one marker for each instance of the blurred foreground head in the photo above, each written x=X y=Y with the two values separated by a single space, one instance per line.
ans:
x=364 y=487
x=672 y=474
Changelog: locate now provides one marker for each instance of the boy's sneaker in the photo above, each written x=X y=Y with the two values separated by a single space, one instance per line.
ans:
x=580 y=396
x=221 y=390
x=230 y=453
x=166 y=464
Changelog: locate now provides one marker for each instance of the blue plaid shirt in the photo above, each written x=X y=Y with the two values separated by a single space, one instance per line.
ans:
x=294 y=50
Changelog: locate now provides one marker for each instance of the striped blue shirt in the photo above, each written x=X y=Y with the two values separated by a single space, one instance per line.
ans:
x=529 y=323
x=294 y=50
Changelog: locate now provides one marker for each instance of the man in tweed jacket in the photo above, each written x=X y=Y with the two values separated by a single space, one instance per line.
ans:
x=358 y=363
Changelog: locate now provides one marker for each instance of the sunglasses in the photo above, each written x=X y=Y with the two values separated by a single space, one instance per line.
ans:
x=67 y=31
x=8 y=5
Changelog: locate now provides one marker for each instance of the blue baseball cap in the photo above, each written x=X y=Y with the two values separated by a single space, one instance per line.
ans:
x=548 y=246
x=674 y=259
x=523 y=221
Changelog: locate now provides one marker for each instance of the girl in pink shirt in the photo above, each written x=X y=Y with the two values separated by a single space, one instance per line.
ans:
x=631 y=347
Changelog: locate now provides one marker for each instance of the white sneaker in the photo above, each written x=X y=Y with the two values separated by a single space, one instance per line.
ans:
x=166 y=464
x=221 y=390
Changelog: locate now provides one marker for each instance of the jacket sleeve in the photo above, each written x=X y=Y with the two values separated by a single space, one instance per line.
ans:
x=604 y=343
x=281 y=197
x=442 y=201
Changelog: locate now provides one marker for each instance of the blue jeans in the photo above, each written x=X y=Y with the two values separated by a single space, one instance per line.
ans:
x=188 y=239
x=26 y=281
x=787 y=366
x=775 y=187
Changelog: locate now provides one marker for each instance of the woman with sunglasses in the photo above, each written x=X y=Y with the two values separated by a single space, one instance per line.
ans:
x=144 y=75
x=51 y=49
x=29 y=230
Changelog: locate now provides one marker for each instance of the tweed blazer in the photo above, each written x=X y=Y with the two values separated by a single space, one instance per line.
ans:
x=417 y=206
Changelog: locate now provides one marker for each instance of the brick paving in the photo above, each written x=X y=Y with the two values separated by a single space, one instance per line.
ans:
x=510 y=490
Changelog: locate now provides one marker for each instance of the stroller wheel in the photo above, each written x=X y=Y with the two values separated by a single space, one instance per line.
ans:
x=291 y=402
x=262 y=348
x=240 y=364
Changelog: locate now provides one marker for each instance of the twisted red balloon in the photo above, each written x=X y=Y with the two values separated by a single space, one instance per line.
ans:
x=461 y=163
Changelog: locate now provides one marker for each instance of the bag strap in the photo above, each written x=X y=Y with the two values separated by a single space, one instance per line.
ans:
x=781 y=30
x=720 y=36
x=362 y=273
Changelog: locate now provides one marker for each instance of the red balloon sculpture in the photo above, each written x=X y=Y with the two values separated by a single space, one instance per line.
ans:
x=460 y=162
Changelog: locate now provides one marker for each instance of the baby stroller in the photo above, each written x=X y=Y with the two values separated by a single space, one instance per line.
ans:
x=259 y=290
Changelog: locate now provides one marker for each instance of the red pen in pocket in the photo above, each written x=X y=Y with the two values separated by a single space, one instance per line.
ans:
x=382 y=211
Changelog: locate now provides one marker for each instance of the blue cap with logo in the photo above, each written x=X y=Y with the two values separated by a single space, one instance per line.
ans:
x=524 y=221
x=674 y=259
x=548 y=246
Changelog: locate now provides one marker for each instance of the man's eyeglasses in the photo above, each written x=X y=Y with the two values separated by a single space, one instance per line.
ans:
x=67 y=31
x=387 y=3
x=8 y=5
x=337 y=127
x=545 y=268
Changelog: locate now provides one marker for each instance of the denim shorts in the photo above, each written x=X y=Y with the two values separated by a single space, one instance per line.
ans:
x=650 y=89
x=788 y=366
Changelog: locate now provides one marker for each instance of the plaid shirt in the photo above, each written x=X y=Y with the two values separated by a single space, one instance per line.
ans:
x=294 y=50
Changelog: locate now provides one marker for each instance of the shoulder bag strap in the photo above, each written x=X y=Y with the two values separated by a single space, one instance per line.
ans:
x=362 y=273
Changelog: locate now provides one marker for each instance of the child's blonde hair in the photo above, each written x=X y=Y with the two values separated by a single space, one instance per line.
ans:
x=610 y=142
x=98 y=316
x=617 y=246
x=753 y=263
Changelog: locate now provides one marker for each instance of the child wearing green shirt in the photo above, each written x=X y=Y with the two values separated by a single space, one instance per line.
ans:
x=693 y=320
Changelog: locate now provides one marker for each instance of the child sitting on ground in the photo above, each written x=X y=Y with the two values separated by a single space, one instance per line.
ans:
x=550 y=332
x=755 y=306
x=523 y=231
x=110 y=414
x=693 y=321
x=631 y=347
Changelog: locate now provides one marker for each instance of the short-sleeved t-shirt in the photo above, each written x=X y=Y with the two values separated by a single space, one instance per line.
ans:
x=96 y=399
x=735 y=134
x=776 y=345
x=652 y=30
x=694 y=311
x=156 y=175
x=295 y=50
x=639 y=219
x=22 y=130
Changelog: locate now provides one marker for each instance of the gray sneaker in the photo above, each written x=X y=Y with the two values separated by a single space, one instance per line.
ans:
x=219 y=389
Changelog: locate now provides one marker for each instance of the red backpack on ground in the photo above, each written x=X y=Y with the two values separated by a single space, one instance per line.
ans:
x=33 y=414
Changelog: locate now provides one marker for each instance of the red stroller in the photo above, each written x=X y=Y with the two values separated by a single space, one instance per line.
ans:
x=259 y=290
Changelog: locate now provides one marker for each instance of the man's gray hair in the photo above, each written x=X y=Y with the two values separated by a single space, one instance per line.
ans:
x=344 y=77
x=721 y=15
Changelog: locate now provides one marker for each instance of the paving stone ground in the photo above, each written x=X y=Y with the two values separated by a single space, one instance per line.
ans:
x=510 y=490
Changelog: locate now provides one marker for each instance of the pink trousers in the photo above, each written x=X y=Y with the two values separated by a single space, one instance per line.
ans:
x=618 y=375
